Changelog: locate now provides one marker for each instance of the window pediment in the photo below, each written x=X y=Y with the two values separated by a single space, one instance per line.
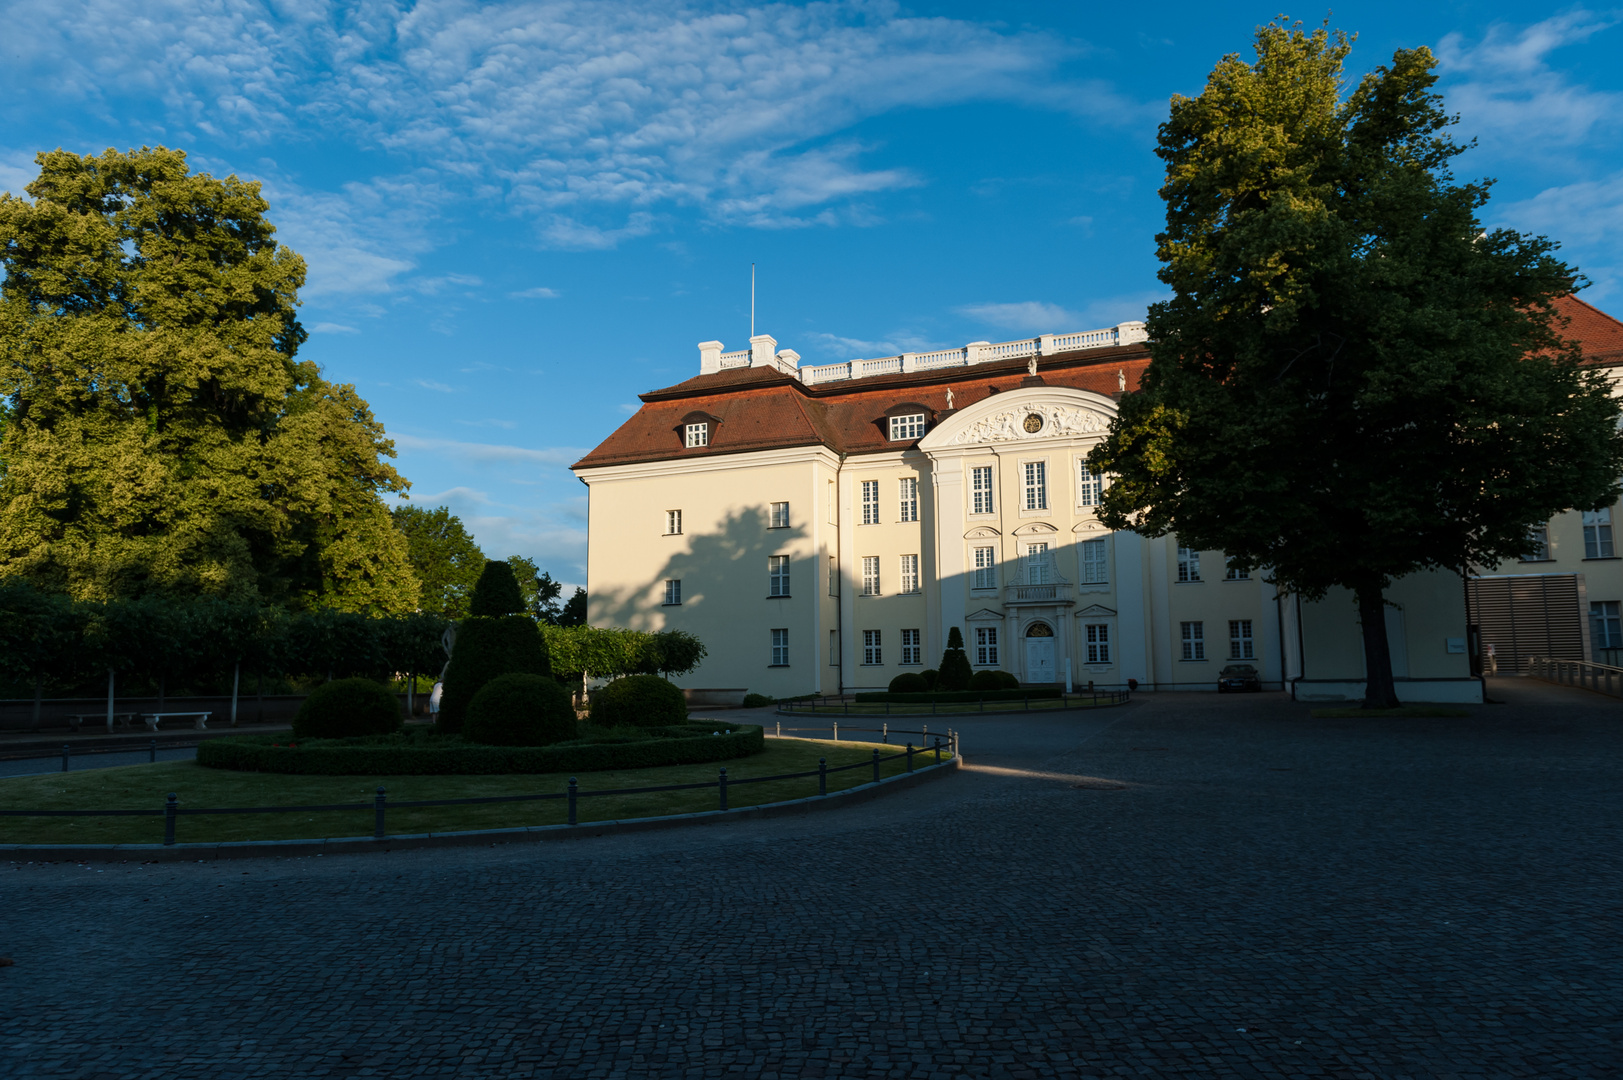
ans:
x=985 y=615
x=1035 y=528
x=982 y=532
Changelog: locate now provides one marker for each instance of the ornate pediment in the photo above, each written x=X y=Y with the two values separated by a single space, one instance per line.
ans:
x=1034 y=528
x=1037 y=420
x=1096 y=611
x=1090 y=526
x=982 y=532
x=984 y=615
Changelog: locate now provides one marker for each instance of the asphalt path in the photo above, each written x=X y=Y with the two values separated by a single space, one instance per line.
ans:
x=1185 y=886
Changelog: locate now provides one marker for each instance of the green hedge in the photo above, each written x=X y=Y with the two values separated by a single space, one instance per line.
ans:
x=945 y=696
x=418 y=754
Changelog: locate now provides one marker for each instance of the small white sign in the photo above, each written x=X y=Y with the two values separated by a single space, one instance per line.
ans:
x=1456 y=644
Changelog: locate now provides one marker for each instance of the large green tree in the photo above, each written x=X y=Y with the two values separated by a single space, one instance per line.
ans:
x=1353 y=380
x=162 y=436
x=444 y=556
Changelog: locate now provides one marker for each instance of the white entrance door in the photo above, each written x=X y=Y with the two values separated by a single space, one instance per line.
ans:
x=1040 y=660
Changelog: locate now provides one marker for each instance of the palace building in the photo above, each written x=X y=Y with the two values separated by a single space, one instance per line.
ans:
x=823 y=529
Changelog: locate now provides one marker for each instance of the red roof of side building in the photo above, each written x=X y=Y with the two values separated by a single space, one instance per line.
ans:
x=764 y=409
x=1598 y=334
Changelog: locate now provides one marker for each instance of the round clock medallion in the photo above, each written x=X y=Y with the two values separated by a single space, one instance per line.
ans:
x=1034 y=423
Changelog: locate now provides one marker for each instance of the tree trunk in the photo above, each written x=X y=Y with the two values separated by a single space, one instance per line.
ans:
x=1379 y=690
x=261 y=715
x=236 y=678
x=411 y=695
x=109 y=701
x=39 y=693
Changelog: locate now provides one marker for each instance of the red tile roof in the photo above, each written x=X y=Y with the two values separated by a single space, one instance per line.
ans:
x=1597 y=333
x=764 y=409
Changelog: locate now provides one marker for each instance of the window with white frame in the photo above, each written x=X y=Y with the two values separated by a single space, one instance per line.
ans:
x=985 y=568
x=1089 y=485
x=1538 y=544
x=910 y=647
x=780 y=648
x=833 y=648
x=1606 y=625
x=986 y=646
x=870 y=502
x=870 y=575
x=833 y=576
x=696 y=435
x=1097 y=638
x=778 y=575
x=673 y=523
x=780 y=516
x=1598 y=534
x=1036 y=485
x=871 y=653
x=1188 y=564
x=910 y=426
x=673 y=591
x=909 y=497
x=910 y=574
x=1240 y=647
x=1093 y=562
x=1194 y=641
x=1234 y=573
x=1037 y=565
x=980 y=489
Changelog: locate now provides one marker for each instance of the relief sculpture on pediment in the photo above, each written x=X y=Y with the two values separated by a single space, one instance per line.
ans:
x=1011 y=425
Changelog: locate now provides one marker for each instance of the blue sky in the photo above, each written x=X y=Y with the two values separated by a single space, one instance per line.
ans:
x=517 y=216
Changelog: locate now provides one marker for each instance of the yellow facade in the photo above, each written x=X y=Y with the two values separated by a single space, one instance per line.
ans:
x=986 y=524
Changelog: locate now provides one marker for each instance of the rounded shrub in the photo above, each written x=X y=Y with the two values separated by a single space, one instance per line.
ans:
x=485 y=648
x=755 y=701
x=1007 y=681
x=909 y=682
x=929 y=676
x=520 y=710
x=345 y=708
x=639 y=700
x=986 y=679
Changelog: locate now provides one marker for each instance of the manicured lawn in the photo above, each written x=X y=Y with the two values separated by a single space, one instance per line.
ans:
x=146 y=786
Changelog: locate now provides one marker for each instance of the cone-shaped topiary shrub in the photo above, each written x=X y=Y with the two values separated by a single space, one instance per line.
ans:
x=520 y=710
x=639 y=700
x=496 y=593
x=347 y=707
x=909 y=682
x=486 y=648
x=955 y=671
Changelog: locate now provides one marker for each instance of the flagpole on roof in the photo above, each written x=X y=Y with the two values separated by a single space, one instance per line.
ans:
x=752 y=299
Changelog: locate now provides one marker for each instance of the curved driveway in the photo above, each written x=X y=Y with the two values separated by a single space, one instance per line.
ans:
x=1187 y=886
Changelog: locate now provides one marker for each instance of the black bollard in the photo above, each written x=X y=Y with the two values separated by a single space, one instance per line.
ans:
x=377 y=809
x=822 y=776
x=876 y=766
x=909 y=757
x=171 y=810
x=571 y=800
x=66 y=750
x=152 y=752
x=721 y=786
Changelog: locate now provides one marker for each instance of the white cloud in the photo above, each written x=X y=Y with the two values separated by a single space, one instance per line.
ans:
x=1587 y=212
x=1026 y=316
x=1504 y=89
x=860 y=348
x=540 y=292
x=487 y=452
x=553 y=535
x=430 y=384
x=594 y=121
x=17 y=171
x=332 y=328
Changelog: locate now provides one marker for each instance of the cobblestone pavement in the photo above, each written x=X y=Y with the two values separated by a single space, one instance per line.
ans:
x=1188 y=886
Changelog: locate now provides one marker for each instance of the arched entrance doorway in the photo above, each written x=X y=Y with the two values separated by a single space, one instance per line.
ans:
x=1040 y=653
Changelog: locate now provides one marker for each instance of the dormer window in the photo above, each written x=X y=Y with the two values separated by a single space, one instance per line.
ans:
x=696 y=435
x=906 y=426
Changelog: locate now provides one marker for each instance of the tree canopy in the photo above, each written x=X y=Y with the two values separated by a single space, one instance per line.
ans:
x=444 y=556
x=161 y=435
x=1353 y=380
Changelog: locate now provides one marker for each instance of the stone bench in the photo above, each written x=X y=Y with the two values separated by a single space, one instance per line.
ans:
x=200 y=719
x=123 y=719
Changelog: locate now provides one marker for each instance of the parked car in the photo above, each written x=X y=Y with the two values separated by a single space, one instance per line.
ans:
x=1238 y=677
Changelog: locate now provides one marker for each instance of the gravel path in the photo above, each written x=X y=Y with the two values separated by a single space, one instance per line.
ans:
x=1187 y=886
